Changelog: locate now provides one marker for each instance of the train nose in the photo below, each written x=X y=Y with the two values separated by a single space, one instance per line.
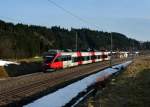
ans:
x=45 y=66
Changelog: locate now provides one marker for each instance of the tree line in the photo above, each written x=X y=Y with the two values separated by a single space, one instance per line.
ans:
x=22 y=41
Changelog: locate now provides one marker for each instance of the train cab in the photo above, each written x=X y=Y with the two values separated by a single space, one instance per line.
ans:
x=48 y=59
x=54 y=60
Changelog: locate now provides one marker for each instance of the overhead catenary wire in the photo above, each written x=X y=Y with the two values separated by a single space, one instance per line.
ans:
x=72 y=14
x=65 y=10
x=8 y=18
x=15 y=21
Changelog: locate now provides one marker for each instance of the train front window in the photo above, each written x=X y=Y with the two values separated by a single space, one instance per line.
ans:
x=48 y=58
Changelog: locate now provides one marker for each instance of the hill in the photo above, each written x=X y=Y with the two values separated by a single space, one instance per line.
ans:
x=20 y=40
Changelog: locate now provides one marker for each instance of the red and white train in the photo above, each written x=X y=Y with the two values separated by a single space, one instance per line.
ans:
x=56 y=59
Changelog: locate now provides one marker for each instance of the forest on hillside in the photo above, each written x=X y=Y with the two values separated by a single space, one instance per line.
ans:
x=20 y=40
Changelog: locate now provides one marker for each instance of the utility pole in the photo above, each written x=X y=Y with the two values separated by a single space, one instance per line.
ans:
x=111 y=48
x=133 y=50
x=76 y=41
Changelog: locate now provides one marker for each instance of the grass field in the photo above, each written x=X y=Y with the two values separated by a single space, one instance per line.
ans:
x=129 y=89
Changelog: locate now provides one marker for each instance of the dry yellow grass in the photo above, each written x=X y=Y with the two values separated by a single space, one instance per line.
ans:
x=138 y=65
x=3 y=72
x=129 y=89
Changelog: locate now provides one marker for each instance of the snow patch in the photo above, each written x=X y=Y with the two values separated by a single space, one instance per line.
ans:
x=123 y=65
x=5 y=63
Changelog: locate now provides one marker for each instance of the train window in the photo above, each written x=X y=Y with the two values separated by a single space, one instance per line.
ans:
x=84 y=58
x=69 y=57
x=93 y=57
x=99 y=57
x=104 y=56
x=78 y=59
x=58 y=59
x=74 y=59
x=66 y=58
x=96 y=57
x=88 y=58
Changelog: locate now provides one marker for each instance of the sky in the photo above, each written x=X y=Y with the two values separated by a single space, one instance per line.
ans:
x=130 y=17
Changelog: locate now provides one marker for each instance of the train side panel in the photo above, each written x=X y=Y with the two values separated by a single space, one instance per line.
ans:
x=98 y=56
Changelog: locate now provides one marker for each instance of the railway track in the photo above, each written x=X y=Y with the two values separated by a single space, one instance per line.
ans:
x=16 y=90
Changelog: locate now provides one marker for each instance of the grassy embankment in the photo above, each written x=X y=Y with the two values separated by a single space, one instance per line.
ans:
x=32 y=59
x=27 y=66
x=3 y=72
x=129 y=89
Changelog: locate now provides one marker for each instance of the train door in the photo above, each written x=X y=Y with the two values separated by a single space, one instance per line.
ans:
x=105 y=56
x=66 y=61
x=74 y=59
x=93 y=56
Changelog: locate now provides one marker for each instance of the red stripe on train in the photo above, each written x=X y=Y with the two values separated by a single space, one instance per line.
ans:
x=57 y=65
x=79 y=57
